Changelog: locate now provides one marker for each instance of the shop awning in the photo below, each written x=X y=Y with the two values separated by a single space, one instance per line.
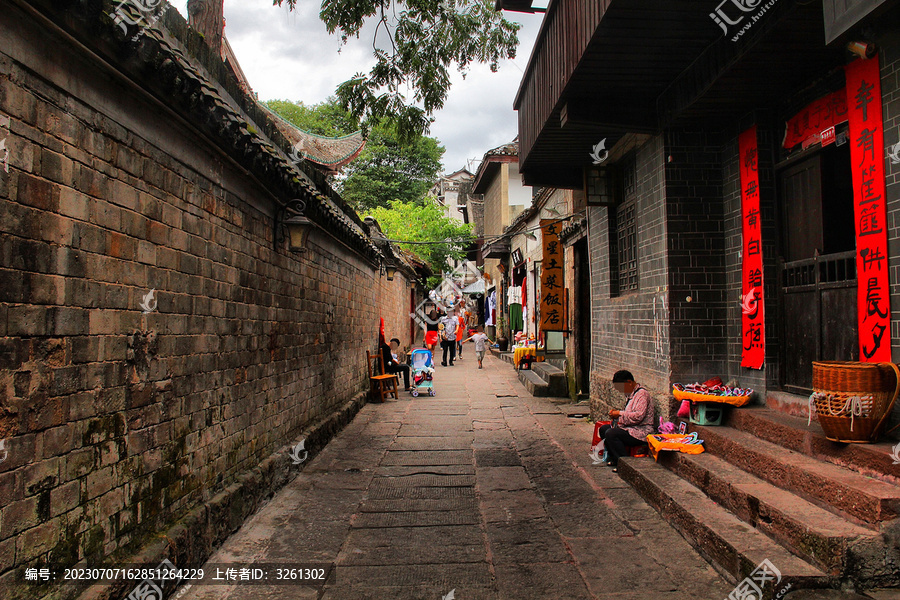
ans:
x=475 y=288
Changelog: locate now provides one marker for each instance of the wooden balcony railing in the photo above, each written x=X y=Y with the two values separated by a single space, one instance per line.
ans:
x=565 y=33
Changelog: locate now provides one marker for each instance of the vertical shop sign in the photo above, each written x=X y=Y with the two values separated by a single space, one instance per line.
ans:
x=553 y=291
x=867 y=165
x=753 y=329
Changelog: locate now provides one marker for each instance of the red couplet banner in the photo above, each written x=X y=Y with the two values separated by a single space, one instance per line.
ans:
x=752 y=305
x=867 y=165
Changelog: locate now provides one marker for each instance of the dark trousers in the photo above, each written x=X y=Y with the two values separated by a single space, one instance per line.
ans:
x=398 y=368
x=451 y=346
x=615 y=441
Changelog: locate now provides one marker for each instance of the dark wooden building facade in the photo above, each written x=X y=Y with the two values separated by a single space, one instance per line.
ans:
x=670 y=89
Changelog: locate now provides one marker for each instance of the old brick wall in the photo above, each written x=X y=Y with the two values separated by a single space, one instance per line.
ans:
x=393 y=303
x=768 y=139
x=696 y=254
x=889 y=55
x=116 y=422
x=630 y=331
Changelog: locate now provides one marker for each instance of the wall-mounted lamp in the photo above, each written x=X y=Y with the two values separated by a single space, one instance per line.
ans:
x=862 y=49
x=292 y=225
x=390 y=271
x=530 y=235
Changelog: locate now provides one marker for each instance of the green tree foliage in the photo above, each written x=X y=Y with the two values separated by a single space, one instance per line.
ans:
x=326 y=118
x=416 y=42
x=386 y=170
x=426 y=222
x=389 y=170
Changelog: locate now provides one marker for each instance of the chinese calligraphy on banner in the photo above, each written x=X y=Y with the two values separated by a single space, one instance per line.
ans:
x=818 y=116
x=752 y=305
x=867 y=165
x=553 y=294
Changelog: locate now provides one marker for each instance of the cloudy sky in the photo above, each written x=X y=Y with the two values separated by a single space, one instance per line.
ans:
x=290 y=56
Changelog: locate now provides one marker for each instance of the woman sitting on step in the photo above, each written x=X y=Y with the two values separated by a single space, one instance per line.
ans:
x=636 y=420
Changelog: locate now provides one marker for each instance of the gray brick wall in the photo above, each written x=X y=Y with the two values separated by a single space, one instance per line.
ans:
x=630 y=331
x=117 y=422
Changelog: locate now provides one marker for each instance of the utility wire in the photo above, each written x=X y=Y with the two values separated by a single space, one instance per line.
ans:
x=491 y=238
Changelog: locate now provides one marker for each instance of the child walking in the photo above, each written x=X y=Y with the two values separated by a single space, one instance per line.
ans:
x=479 y=338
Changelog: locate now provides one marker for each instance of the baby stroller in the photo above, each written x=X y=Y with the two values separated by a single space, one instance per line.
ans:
x=422 y=370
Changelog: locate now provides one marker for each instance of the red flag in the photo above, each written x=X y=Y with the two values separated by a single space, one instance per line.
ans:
x=381 y=338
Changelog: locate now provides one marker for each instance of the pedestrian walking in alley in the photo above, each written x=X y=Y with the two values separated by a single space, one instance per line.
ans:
x=431 y=329
x=461 y=331
x=479 y=339
x=635 y=422
x=451 y=325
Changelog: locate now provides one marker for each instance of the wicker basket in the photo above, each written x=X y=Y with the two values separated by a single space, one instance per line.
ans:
x=852 y=399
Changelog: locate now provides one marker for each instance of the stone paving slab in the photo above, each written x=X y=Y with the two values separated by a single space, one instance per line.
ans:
x=415 y=519
x=483 y=490
x=430 y=458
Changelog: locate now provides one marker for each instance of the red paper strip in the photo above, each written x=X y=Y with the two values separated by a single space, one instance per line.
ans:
x=752 y=306
x=867 y=164
x=818 y=116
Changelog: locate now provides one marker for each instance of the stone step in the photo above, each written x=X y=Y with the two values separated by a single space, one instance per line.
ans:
x=533 y=383
x=554 y=377
x=725 y=541
x=832 y=543
x=842 y=491
x=872 y=460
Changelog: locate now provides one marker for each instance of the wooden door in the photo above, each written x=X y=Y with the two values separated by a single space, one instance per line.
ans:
x=817 y=290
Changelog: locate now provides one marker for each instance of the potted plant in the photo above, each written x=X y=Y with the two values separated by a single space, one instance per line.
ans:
x=502 y=339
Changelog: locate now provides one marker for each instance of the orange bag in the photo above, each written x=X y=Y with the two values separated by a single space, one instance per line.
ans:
x=673 y=441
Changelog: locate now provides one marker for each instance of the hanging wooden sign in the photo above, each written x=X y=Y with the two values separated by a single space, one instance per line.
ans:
x=553 y=294
x=867 y=165
x=752 y=304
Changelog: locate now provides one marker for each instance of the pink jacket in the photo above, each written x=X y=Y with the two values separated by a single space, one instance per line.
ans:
x=639 y=416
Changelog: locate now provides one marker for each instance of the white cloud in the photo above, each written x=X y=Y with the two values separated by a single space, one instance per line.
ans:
x=290 y=56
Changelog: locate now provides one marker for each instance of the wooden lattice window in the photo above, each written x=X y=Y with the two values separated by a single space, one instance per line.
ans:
x=627 y=246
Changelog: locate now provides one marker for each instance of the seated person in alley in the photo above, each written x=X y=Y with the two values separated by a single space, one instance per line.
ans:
x=479 y=338
x=636 y=420
x=389 y=355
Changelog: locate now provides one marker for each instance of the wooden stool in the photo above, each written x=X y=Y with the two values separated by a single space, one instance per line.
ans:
x=382 y=385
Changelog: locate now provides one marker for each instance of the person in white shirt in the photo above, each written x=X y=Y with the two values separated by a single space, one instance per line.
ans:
x=479 y=338
x=448 y=343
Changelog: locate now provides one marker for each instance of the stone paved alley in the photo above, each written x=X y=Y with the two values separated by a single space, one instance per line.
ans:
x=484 y=490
